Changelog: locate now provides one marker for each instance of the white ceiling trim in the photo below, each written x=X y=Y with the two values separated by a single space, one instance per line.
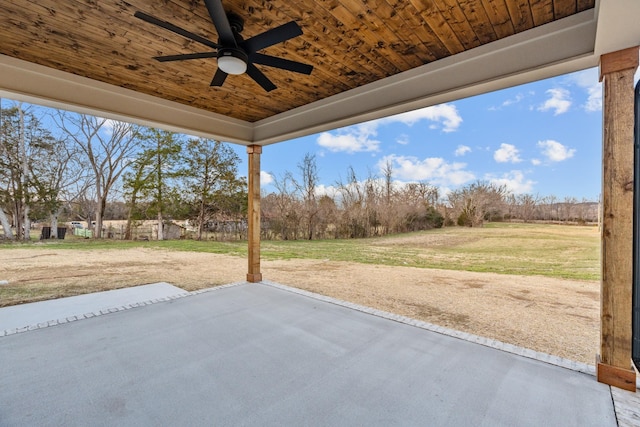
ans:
x=41 y=85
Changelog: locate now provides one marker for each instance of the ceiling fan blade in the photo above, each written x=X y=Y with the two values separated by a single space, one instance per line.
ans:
x=220 y=21
x=168 y=26
x=285 y=64
x=260 y=78
x=218 y=78
x=273 y=36
x=186 y=56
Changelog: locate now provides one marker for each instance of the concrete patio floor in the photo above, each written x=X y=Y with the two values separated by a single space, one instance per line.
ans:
x=264 y=354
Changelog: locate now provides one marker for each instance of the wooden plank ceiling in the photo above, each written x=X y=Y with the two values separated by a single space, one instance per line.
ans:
x=349 y=42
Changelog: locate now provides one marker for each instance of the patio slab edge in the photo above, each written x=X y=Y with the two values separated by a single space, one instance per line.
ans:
x=487 y=342
x=104 y=311
x=626 y=404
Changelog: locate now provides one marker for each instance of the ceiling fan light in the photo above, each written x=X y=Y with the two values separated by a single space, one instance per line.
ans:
x=232 y=61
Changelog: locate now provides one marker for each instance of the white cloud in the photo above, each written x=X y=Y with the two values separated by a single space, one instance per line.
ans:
x=554 y=151
x=265 y=178
x=110 y=123
x=352 y=139
x=594 y=101
x=326 y=190
x=107 y=126
x=514 y=181
x=433 y=169
x=402 y=139
x=559 y=101
x=536 y=162
x=507 y=153
x=519 y=97
x=443 y=115
x=359 y=138
x=588 y=81
x=462 y=150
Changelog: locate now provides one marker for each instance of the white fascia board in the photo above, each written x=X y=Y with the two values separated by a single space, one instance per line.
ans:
x=618 y=25
x=33 y=83
x=553 y=49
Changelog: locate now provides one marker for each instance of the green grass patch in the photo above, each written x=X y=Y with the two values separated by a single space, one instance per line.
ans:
x=547 y=250
x=558 y=251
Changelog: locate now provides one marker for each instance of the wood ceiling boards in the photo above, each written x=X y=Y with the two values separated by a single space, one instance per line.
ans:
x=350 y=43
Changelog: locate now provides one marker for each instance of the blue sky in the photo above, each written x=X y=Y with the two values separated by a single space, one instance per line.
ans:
x=542 y=138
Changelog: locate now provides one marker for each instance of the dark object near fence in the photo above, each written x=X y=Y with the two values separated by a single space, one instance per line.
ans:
x=46 y=233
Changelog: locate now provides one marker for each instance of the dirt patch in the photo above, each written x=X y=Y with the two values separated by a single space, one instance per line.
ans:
x=555 y=316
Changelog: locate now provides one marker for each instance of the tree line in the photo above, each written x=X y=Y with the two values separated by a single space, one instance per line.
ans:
x=95 y=169
x=93 y=162
x=378 y=205
x=357 y=208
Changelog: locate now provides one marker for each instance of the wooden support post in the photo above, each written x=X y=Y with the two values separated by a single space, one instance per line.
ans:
x=614 y=365
x=253 y=214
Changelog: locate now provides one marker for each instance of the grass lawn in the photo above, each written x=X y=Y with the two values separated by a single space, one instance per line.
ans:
x=549 y=250
x=558 y=251
x=552 y=306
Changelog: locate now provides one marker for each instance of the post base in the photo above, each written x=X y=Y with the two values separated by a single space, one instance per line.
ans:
x=254 y=277
x=615 y=376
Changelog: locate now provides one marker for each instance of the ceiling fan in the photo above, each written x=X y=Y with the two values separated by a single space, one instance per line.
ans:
x=235 y=55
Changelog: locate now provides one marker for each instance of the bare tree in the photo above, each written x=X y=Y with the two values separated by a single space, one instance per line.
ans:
x=550 y=208
x=527 y=204
x=327 y=216
x=567 y=208
x=359 y=201
x=4 y=221
x=417 y=203
x=387 y=213
x=286 y=218
x=24 y=160
x=59 y=181
x=352 y=201
x=475 y=202
x=84 y=205
x=107 y=145
x=307 y=189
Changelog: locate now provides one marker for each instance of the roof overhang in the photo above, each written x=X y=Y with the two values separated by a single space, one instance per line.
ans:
x=566 y=45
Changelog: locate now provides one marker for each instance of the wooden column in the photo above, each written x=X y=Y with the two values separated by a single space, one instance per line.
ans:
x=614 y=365
x=253 y=214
